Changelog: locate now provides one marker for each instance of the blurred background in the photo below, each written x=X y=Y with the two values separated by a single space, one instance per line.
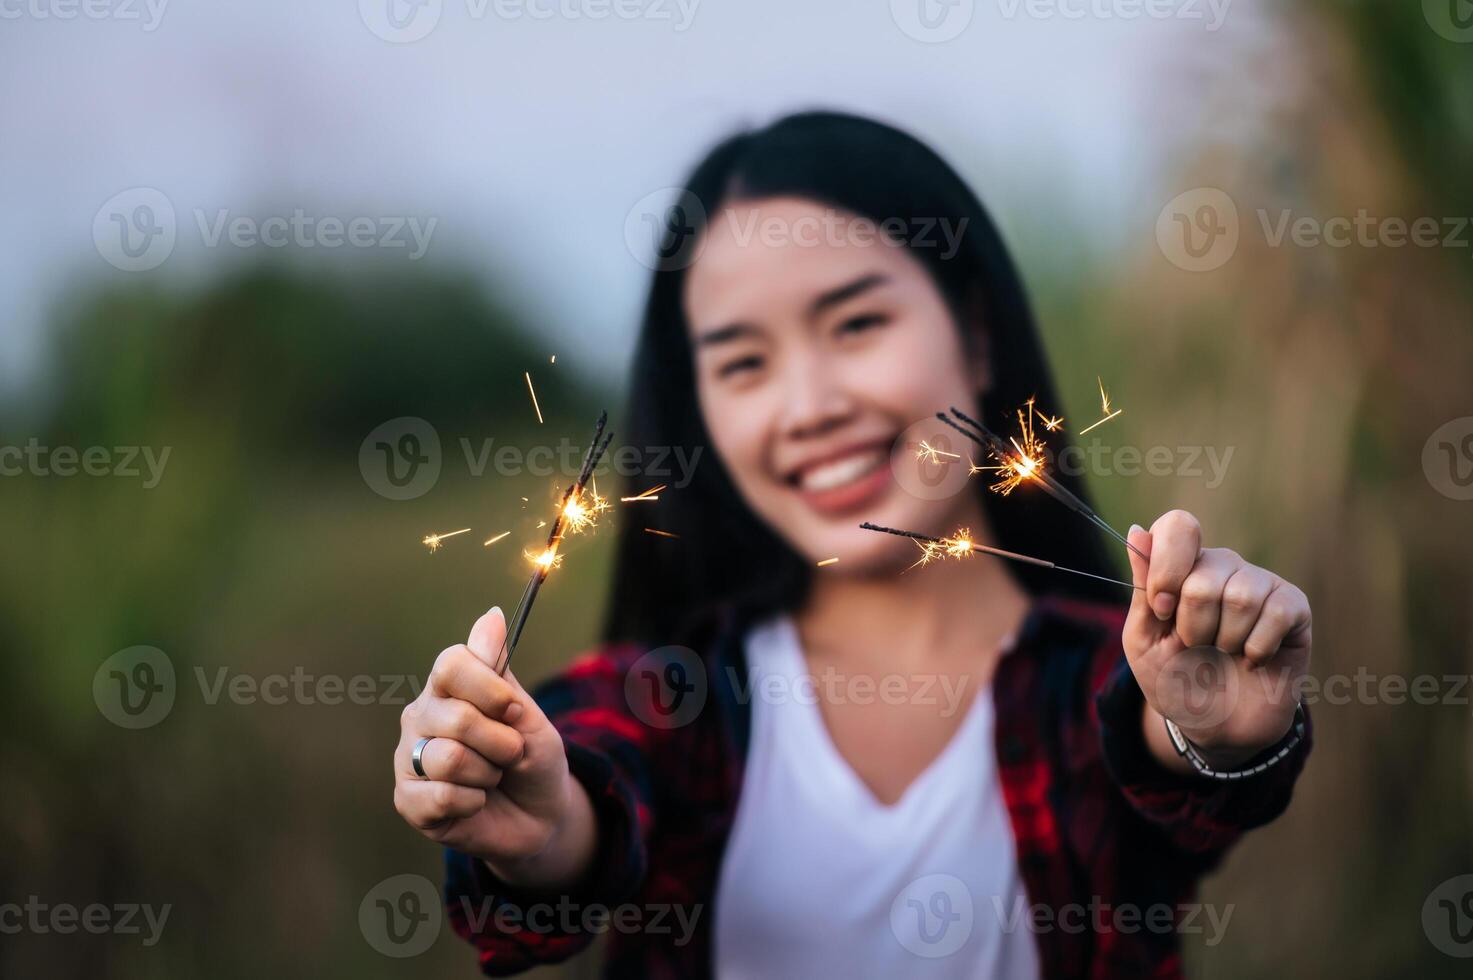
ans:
x=458 y=190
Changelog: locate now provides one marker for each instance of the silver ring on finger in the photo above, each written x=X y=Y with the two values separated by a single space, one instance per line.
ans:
x=416 y=758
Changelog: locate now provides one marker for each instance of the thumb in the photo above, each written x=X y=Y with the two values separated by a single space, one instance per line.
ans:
x=1142 y=628
x=487 y=635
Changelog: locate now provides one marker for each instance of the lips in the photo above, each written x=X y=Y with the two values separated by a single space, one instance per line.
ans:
x=844 y=481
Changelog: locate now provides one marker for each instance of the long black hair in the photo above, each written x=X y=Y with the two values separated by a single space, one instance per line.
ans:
x=726 y=557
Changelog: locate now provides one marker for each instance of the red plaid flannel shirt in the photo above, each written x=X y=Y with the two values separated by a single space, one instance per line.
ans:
x=1098 y=822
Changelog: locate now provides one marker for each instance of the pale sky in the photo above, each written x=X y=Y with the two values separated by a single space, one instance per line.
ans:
x=529 y=138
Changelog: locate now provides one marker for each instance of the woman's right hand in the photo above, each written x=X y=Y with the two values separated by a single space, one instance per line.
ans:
x=496 y=782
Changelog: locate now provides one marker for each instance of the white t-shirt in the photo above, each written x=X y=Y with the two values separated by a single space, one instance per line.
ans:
x=821 y=879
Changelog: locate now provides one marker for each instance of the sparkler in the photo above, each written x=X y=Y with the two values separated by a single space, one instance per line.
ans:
x=961 y=546
x=433 y=541
x=574 y=514
x=1023 y=462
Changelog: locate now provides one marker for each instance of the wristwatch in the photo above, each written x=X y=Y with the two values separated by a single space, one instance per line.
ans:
x=1275 y=754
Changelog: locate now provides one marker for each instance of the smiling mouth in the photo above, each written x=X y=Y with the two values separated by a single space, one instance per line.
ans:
x=841 y=472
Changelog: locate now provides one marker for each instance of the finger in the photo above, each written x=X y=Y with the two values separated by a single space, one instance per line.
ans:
x=448 y=761
x=1176 y=541
x=427 y=804
x=487 y=636
x=1242 y=601
x=1200 y=608
x=450 y=718
x=459 y=673
x=1142 y=629
x=1284 y=618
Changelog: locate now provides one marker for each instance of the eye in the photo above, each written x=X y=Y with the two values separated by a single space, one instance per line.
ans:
x=741 y=365
x=859 y=324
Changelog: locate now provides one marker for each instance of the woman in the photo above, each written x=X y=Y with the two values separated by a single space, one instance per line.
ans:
x=964 y=771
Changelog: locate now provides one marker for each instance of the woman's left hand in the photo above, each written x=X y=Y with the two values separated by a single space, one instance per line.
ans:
x=1218 y=645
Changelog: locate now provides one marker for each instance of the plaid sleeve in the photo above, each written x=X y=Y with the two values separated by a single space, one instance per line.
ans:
x=607 y=748
x=1198 y=815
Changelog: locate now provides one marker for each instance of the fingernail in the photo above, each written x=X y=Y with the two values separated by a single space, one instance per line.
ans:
x=497 y=611
x=1164 y=604
x=1134 y=528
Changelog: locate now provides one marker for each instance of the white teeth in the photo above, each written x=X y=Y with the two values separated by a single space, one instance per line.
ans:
x=841 y=471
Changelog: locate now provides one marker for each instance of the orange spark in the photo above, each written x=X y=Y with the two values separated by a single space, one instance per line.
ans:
x=433 y=541
x=495 y=539
x=1029 y=458
x=1104 y=408
x=663 y=534
x=828 y=561
x=651 y=494
x=932 y=454
x=548 y=559
x=957 y=546
x=533 y=392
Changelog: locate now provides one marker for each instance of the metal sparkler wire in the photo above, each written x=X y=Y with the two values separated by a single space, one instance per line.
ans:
x=596 y=448
x=950 y=543
x=990 y=441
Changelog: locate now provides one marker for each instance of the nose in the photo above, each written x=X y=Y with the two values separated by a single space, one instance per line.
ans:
x=816 y=400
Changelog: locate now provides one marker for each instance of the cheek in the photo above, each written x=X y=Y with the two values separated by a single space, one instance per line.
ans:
x=738 y=425
x=915 y=371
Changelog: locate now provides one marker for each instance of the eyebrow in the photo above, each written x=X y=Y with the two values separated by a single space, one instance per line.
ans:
x=726 y=334
x=831 y=298
x=848 y=291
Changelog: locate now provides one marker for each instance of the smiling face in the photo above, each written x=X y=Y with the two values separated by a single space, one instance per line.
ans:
x=815 y=358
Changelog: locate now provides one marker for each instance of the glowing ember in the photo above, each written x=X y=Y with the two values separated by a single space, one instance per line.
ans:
x=1026 y=462
x=548 y=559
x=495 y=539
x=828 y=561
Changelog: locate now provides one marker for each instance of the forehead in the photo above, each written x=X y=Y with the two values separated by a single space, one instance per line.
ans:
x=773 y=255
